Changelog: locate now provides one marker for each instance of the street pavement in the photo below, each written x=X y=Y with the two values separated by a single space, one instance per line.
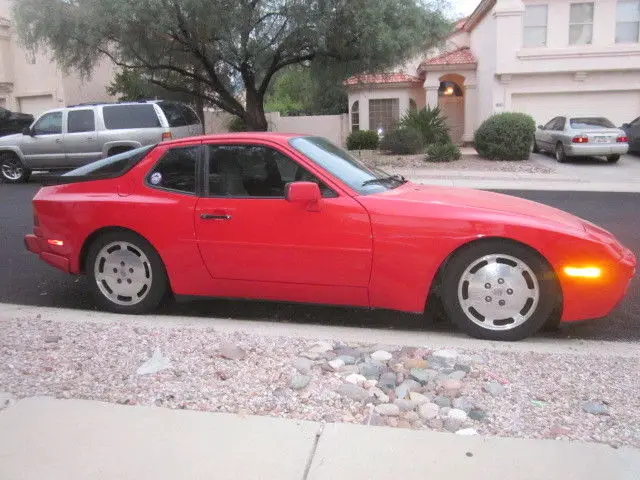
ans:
x=24 y=279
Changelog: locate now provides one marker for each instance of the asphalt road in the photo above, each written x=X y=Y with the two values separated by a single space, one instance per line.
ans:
x=24 y=279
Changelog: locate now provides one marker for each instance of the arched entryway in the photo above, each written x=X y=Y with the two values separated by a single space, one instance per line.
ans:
x=451 y=103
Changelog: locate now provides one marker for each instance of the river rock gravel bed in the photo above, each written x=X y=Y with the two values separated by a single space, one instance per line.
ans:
x=513 y=394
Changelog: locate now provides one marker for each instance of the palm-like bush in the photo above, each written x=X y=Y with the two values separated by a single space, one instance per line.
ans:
x=429 y=122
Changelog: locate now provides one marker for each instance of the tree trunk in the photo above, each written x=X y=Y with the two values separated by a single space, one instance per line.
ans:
x=254 y=114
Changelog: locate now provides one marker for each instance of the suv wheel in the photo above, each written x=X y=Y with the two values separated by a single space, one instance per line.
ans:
x=12 y=170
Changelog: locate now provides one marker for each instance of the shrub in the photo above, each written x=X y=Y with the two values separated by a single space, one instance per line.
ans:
x=236 y=124
x=505 y=136
x=402 y=141
x=429 y=122
x=363 y=140
x=442 y=152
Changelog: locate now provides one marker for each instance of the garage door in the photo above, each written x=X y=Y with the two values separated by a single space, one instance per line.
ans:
x=36 y=105
x=619 y=107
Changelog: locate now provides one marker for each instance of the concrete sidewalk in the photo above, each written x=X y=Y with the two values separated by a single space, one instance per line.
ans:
x=78 y=440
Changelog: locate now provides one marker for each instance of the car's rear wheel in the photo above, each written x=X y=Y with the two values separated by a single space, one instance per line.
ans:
x=613 y=158
x=12 y=170
x=499 y=290
x=127 y=274
x=561 y=156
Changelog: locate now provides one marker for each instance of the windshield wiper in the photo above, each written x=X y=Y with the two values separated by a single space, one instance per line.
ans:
x=390 y=178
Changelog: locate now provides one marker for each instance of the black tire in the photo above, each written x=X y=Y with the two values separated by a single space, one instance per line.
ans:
x=549 y=296
x=12 y=170
x=560 y=154
x=535 y=148
x=154 y=269
x=613 y=158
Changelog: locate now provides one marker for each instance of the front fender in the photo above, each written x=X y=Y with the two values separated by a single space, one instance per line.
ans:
x=14 y=150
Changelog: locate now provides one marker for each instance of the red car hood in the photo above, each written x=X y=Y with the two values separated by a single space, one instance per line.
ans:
x=479 y=199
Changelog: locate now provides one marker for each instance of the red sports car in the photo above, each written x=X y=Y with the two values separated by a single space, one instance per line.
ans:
x=295 y=218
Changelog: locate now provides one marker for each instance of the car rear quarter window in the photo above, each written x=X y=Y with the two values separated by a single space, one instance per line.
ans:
x=81 y=121
x=110 y=167
x=176 y=170
x=189 y=115
x=174 y=114
x=130 y=116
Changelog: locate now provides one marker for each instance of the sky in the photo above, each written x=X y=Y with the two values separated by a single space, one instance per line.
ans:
x=464 y=7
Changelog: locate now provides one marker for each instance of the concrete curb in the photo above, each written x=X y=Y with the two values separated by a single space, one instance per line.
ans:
x=428 y=339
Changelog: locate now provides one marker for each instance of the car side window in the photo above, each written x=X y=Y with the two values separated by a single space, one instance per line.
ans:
x=49 y=124
x=130 y=116
x=176 y=170
x=81 y=121
x=550 y=124
x=560 y=123
x=189 y=115
x=636 y=122
x=173 y=113
x=254 y=171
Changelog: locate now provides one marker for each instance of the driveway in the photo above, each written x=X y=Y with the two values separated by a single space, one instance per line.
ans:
x=591 y=169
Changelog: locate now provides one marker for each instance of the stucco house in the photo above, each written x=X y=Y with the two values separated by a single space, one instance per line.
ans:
x=33 y=83
x=541 y=57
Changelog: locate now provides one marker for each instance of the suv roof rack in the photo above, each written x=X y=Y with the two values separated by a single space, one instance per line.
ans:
x=95 y=104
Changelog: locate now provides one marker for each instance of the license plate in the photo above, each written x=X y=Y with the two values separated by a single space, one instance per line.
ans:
x=601 y=139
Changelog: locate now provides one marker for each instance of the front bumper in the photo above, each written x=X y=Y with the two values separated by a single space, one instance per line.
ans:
x=38 y=245
x=596 y=149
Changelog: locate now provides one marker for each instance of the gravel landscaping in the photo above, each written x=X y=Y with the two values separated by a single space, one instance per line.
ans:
x=466 y=163
x=535 y=395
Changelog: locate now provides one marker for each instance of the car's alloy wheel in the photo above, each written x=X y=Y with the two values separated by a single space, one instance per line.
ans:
x=12 y=170
x=499 y=290
x=128 y=275
x=560 y=155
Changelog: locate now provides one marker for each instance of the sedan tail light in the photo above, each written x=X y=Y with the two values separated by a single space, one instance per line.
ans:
x=580 y=139
x=166 y=136
x=622 y=139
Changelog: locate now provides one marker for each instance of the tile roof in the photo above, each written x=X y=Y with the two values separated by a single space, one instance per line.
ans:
x=381 y=78
x=461 y=56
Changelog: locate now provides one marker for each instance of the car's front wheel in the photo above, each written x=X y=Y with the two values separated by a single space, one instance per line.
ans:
x=12 y=170
x=127 y=274
x=498 y=290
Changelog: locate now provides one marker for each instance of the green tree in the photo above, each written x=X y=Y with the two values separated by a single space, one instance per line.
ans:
x=223 y=50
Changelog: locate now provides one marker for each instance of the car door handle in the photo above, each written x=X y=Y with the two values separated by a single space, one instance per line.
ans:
x=212 y=216
x=58 y=140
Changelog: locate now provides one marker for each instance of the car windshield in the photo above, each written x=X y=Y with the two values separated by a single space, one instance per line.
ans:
x=113 y=166
x=356 y=174
x=595 y=122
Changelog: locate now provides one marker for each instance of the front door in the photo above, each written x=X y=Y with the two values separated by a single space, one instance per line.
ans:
x=44 y=148
x=81 y=140
x=248 y=231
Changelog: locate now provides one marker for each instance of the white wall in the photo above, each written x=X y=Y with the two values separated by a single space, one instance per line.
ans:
x=558 y=55
x=484 y=42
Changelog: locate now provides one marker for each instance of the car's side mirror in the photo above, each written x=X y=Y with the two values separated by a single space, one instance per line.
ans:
x=540 y=127
x=304 y=192
x=27 y=131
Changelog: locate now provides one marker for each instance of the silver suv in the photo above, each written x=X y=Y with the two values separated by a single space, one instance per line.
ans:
x=69 y=137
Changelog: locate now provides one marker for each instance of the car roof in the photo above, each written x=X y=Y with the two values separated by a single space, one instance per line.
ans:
x=278 y=137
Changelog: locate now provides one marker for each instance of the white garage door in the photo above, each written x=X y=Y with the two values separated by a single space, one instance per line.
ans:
x=36 y=105
x=619 y=107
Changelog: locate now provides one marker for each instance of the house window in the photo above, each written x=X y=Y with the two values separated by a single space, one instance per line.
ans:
x=535 y=26
x=384 y=114
x=627 y=21
x=413 y=106
x=355 y=116
x=581 y=24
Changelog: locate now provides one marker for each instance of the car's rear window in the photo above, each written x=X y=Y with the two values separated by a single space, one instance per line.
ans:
x=593 y=122
x=130 y=116
x=111 y=167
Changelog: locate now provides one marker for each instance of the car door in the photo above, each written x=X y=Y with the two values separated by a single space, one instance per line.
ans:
x=80 y=138
x=556 y=132
x=544 y=134
x=44 y=148
x=247 y=230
